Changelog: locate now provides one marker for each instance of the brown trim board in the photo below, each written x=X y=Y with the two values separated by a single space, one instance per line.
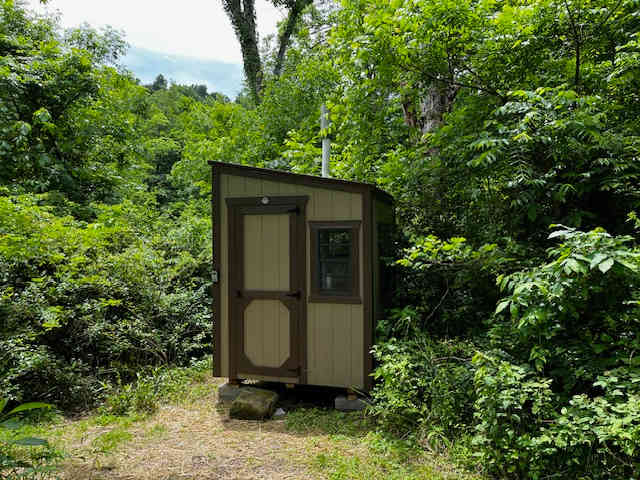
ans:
x=216 y=308
x=367 y=237
x=315 y=294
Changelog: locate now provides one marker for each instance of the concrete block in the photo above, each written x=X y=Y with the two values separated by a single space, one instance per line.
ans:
x=344 y=404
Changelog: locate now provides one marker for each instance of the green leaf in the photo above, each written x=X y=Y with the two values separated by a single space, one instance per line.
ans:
x=502 y=305
x=597 y=258
x=631 y=266
x=11 y=424
x=29 y=406
x=606 y=265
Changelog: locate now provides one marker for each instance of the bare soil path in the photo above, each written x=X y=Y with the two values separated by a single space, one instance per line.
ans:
x=195 y=439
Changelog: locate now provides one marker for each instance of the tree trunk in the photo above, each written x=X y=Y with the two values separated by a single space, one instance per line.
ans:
x=429 y=115
x=295 y=10
x=243 y=18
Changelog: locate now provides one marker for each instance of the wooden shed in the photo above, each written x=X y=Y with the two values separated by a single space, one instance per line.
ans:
x=297 y=282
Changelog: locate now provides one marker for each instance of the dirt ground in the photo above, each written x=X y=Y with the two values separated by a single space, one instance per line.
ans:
x=197 y=441
x=194 y=438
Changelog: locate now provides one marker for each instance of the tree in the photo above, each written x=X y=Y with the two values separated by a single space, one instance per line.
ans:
x=160 y=83
x=243 y=18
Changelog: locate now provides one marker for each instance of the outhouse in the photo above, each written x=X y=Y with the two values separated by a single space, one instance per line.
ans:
x=297 y=277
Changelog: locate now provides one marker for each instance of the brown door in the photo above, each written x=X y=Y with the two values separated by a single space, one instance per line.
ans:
x=267 y=285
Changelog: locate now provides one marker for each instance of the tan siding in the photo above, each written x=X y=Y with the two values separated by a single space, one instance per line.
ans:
x=357 y=346
x=334 y=331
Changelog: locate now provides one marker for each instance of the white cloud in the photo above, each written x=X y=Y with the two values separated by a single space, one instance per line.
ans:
x=195 y=28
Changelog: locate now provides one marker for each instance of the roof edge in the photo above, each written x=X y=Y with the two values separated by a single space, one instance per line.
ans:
x=302 y=179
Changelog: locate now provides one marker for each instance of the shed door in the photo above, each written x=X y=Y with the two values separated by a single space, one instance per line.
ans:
x=266 y=285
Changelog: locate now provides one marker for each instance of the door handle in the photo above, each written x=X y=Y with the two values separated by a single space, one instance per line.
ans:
x=297 y=294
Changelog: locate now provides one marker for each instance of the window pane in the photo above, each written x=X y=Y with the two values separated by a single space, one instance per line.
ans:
x=335 y=260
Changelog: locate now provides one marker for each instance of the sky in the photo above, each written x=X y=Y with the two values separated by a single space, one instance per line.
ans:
x=193 y=28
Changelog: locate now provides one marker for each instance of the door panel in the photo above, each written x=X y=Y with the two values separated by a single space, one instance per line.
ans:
x=267 y=285
x=266 y=252
x=267 y=333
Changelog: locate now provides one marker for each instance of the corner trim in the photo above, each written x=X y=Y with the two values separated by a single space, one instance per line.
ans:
x=216 y=308
x=367 y=238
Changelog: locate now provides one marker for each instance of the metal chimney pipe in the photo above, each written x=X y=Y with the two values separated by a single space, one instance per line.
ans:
x=326 y=144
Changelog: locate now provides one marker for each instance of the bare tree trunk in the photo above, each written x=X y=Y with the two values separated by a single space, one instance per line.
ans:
x=243 y=18
x=296 y=7
x=433 y=107
x=429 y=115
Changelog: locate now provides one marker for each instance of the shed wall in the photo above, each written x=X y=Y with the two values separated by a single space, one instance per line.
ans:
x=335 y=332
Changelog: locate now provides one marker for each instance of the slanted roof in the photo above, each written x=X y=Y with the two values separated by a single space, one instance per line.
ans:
x=300 y=179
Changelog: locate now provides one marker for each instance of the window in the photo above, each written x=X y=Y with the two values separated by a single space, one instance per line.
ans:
x=334 y=262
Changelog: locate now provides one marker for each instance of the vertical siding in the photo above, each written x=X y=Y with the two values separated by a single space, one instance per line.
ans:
x=334 y=331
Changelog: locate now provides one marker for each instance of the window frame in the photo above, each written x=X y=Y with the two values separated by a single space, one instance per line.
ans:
x=317 y=295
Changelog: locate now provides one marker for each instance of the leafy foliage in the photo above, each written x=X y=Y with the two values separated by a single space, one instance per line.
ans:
x=487 y=121
x=424 y=385
x=17 y=458
x=103 y=253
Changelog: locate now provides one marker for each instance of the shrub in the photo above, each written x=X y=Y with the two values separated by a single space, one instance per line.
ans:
x=424 y=384
x=511 y=406
x=22 y=457
x=562 y=399
x=448 y=285
x=82 y=303
x=525 y=430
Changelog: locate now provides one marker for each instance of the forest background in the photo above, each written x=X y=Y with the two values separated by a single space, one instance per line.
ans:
x=508 y=134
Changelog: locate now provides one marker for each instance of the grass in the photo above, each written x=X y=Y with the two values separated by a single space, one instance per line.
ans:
x=352 y=448
x=189 y=437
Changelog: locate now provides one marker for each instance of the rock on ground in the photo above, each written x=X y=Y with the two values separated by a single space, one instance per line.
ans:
x=253 y=404
x=228 y=392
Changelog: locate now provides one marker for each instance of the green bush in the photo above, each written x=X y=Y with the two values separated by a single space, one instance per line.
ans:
x=525 y=430
x=81 y=302
x=21 y=457
x=448 y=286
x=562 y=397
x=424 y=384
